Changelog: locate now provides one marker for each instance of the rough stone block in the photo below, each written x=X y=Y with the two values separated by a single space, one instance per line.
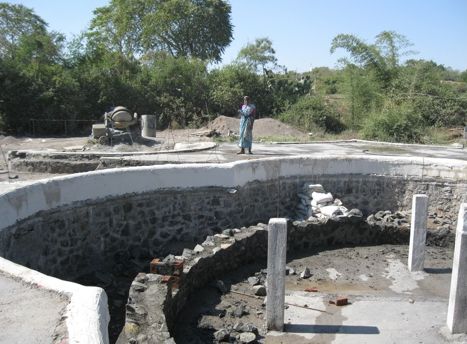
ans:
x=277 y=247
x=418 y=232
x=457 y=309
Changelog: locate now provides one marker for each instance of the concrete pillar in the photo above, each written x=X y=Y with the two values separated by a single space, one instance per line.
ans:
x=418 y=232
x=457 y=309
x=277 y=248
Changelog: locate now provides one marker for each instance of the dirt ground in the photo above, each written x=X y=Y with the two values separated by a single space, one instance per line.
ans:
x=223 y=127
x=350 y=272
x=263 y=127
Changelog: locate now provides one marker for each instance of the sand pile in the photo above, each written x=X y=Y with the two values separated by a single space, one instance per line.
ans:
x=264 y=127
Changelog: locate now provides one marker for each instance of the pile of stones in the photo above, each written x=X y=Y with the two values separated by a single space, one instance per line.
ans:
x=318 y=206
x=238 y=333
x=399 y=219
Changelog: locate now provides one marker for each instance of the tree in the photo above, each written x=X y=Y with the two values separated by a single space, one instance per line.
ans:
x=258 y=55
x=463 y=76
x=33 y=80
x=17 y=22
x=230 y=83
x=382 y=57
x=187 y=28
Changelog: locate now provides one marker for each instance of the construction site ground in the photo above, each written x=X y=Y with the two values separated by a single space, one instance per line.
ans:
x=387 y=303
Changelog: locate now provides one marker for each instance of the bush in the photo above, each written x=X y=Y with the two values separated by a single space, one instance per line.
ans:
x=229 y=84
x=312 y=113
x=396 y=123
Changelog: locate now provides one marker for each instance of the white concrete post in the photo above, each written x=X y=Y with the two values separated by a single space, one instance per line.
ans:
x=277 y=249
x=457 y=309
x=418 y=232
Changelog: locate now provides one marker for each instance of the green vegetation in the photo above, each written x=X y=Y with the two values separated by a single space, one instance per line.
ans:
x=157 y=57
x=311 y=114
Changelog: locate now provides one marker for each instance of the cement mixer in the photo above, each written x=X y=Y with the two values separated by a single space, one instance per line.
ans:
x=119 y=127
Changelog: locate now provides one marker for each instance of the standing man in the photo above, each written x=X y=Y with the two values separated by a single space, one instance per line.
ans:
x=248 y=113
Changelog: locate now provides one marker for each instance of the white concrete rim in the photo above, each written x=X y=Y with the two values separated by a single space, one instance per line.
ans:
x=87 y=314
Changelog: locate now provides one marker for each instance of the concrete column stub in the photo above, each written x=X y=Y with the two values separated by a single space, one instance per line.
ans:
x=457 y=309
x=418 y=232
x=277 y=249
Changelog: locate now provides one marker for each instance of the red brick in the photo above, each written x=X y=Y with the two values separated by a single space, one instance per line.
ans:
x=342 y=301
x=311 y=290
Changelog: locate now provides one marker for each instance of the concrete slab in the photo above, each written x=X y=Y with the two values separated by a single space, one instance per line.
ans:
x=365 y=320
x=411 y=308
x=30 y=314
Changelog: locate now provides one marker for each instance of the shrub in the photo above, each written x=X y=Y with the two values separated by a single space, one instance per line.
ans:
x=396 y=123
x=312 y=113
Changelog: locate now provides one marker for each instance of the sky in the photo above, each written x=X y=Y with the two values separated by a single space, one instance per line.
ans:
x=302 y=30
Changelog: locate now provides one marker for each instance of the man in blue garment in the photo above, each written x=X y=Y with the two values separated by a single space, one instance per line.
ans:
x=247 y=113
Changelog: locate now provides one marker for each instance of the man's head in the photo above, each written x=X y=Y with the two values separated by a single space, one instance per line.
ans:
x=246 y=100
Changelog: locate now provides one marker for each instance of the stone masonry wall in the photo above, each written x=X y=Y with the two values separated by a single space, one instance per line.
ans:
x=69 y=241
x=156 y=299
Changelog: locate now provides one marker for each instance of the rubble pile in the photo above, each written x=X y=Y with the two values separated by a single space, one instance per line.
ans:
x=316 y=205
x=400 y=219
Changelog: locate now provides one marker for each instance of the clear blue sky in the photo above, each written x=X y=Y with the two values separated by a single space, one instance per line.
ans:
x=302 y=30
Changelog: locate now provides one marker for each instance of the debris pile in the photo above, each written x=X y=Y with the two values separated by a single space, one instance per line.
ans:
x=387 y=218
x=316 y=205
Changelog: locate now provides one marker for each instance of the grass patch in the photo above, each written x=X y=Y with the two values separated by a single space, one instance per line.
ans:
x=442 y=136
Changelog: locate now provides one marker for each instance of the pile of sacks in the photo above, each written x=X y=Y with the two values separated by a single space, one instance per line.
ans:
x=315 y=203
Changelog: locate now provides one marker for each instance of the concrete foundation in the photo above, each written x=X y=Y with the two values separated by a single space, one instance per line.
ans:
x=68 y=225
x=418 y=232
x=277 y=248
x=457 y=310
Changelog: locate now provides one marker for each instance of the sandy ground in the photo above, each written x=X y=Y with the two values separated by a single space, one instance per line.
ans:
x=361 y=272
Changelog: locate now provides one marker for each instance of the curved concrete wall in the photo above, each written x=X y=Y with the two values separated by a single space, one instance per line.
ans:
x=53 y=193
x=65 y=225
x=87 y=315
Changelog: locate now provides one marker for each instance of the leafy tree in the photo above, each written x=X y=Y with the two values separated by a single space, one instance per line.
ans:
x=438 y=102
x=364 y=95
x=382 y=57
x=229 y=84
x=16 y=22
x=33 y=81
x=258 y=55
x=284 y=89
x=180 y=89
x=187 y=28
x=463 y=76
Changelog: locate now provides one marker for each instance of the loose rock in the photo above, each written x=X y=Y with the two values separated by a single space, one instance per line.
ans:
x=221 y=335
x=253 y=281
x=247 y=337
x=259 y=290
x=305 y=274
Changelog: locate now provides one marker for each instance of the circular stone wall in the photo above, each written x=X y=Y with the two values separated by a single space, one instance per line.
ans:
x=70 y=226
